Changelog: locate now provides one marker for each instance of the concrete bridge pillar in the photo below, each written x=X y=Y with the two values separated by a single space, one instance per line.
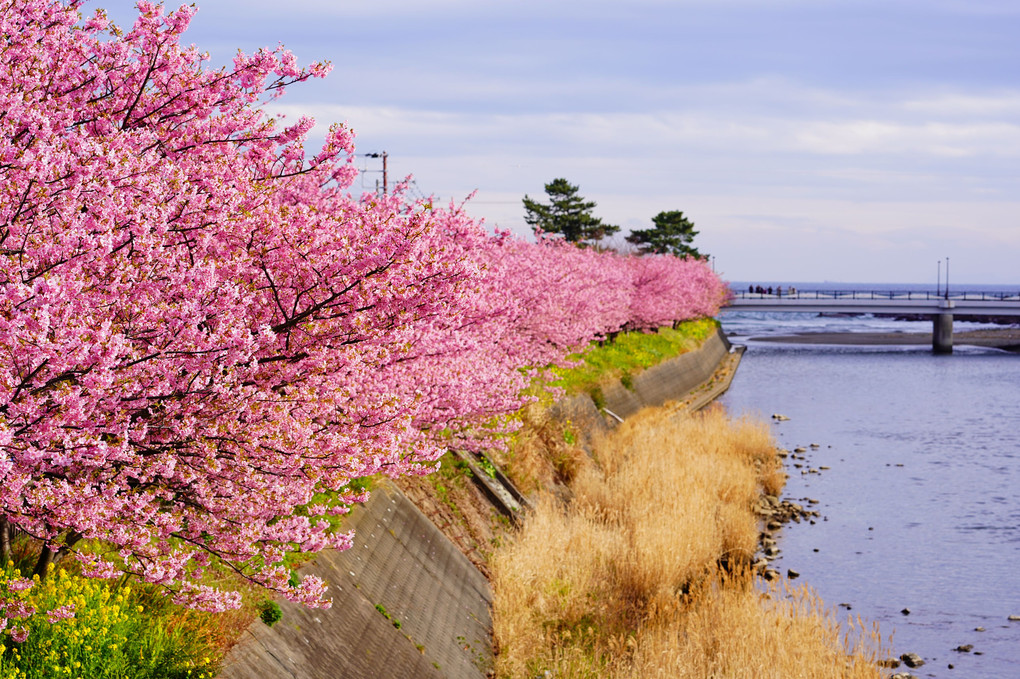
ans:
x=942 y=329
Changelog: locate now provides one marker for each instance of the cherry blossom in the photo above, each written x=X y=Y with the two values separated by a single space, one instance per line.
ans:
x=203 y=333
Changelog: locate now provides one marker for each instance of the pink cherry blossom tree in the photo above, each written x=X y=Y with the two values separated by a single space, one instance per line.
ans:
x=197 y=320
x=202 y=331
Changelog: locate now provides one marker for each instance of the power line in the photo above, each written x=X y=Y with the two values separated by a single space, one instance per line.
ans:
x=416 y=191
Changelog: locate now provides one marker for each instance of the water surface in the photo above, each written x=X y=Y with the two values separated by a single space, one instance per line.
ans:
x=920 y=502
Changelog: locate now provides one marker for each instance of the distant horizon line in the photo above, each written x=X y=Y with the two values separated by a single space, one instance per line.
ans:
x=932 y=285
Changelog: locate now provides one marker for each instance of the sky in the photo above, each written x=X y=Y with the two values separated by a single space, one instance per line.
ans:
x=808 y=140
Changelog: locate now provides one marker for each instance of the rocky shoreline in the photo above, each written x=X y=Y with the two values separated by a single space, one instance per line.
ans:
x=774 y=512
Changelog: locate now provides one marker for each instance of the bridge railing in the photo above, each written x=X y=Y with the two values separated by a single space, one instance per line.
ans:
x=998 y=296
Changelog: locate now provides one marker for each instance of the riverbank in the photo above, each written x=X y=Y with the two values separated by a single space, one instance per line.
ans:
x=680 y=539
x=647 y=562
x=1007 y=338
x=646 y=567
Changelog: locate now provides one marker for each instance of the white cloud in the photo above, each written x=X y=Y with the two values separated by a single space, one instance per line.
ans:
x=668 y=132
x=886 y=138
x=956 y=105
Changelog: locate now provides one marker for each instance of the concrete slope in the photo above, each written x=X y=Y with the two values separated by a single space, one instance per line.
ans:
x=672 y=380
x=669 y=380
x=402 y=563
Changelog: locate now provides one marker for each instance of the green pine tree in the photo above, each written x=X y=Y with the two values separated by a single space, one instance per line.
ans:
x=672 y=234
x=566 y=214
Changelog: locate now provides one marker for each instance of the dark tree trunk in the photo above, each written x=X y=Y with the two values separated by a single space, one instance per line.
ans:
x=46 y=557
x=5 y=541
x=51 y=556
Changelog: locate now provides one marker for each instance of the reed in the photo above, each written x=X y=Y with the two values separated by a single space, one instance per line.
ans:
x=645 y=572
x=545 y=452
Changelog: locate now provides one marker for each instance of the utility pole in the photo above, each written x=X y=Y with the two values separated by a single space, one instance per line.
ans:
x=385 y=173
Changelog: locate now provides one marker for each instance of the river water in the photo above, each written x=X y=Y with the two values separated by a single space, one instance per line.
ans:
x=919 y=491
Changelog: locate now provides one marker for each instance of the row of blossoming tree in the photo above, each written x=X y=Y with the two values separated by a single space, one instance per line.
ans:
x=202 y=330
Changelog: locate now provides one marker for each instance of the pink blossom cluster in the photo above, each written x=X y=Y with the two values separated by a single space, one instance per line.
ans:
x=201 y=329
x=13 y=609
x=668 y=289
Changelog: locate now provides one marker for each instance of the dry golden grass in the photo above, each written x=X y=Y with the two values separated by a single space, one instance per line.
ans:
x=729 y=627
x=544 y=452
x=643 y=573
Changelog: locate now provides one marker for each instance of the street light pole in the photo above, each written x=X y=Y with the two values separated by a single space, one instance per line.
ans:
x=947 y=278
x=938 y=280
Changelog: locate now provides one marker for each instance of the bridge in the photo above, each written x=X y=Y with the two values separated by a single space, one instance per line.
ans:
x=940 y=307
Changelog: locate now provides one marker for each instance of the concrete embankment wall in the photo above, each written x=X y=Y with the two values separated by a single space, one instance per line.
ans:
x=403 y=570
x=668 y=381
x=401 y=563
